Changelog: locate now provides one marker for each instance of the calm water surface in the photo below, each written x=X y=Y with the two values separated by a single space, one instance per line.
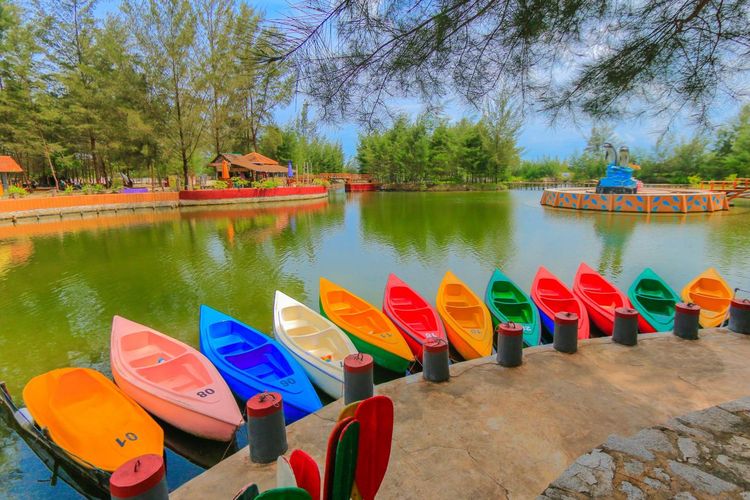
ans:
x=61 y=282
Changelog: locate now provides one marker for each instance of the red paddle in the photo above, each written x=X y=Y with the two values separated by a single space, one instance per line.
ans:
x=333 y=441
x=375 y=416
x=306 y=473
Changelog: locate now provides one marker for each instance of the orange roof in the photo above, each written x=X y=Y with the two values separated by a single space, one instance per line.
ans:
x=251 y=161
x=9 y=165
x=259 y=159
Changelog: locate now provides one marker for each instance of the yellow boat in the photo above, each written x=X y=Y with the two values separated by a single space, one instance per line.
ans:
x=712 y=293
x=369 y=329
x=86 y=415
x=467 y=321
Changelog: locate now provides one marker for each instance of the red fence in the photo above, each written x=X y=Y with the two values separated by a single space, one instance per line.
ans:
x=226 y=194
x=65 y=201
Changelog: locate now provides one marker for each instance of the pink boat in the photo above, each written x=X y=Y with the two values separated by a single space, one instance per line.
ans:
x=173 y=381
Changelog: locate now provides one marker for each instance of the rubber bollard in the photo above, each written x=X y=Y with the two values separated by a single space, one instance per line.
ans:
x=686 y=320
x=141 y=478
x=565 y=338
x=266 y=431
x=435 y=366
x=739 y=316
x=509 y=344
x=358 y=378
x=625 y=331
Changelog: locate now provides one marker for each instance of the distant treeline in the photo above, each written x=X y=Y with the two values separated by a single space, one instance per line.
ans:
x=433 y=149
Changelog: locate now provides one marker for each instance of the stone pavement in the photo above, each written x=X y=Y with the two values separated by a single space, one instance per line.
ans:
x=494 y=432
x=704 y=454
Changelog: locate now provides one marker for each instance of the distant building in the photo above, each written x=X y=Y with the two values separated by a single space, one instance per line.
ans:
x=252 y=166
x=8 y=166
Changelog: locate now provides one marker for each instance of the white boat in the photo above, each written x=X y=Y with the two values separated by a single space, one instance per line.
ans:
x=318 y=344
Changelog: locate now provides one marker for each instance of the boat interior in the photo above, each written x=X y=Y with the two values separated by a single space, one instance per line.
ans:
x=342 y=302
x=313 y=334
x=655 y=298
x=710 y=294
x=163 y=362
x=606 y=300
x=248 y=351
x=145 y=348
x=402 y=297
x=368 y=321
x=505 y=293
x=420 y=320
x=516 y=312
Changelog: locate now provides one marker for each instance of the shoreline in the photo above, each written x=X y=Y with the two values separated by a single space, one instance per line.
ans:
x=439 y=188
x=26 y=209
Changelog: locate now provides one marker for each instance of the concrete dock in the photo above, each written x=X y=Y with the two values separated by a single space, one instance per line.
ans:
x=494 y=432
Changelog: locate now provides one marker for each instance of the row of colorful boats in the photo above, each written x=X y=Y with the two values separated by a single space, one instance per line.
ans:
x=103 y=425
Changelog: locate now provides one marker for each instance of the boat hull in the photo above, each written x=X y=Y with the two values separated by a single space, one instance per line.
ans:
x=251 y=362
x=367 y=327
x=713 y=294
x=655 y=302
x=91 y=419
x=414 y=317
x=317 y=344
x=551 y=296
x=467 y=321
x=192 y=422
x=173 y=381
x=600 y=297
x=508 y=303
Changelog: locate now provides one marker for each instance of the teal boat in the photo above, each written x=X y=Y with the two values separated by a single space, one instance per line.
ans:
x=654 y=300
x=507 y=303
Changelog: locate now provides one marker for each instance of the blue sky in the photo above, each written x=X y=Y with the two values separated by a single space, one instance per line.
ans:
x=537 y=139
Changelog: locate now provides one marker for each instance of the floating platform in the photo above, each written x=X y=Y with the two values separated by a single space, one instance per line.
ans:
x=645 y=201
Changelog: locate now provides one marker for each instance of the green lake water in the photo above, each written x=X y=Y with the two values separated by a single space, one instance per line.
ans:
x=61 y=282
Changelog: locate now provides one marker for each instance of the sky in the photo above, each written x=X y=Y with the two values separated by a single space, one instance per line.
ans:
x=538 y=138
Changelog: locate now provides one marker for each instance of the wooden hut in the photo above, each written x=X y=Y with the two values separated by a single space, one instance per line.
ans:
x=8 y=166
x=252 y=166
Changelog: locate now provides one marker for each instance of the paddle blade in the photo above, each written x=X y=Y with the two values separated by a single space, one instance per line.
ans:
x=348 y=410
x=375 y=416
x=306 y=472
x=346 y=462
x=333 y=441
x=284 y=494
x=248 y=492
x=284 y=475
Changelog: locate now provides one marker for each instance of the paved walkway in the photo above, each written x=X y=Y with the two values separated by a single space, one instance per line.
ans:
x=704 y=454
x=493 y=432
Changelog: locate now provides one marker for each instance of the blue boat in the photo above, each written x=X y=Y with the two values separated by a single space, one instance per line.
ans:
x=508 y=303
x=252 y=362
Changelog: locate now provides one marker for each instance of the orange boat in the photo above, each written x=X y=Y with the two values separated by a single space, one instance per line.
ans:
x=91 y=419
x=467 y=320
x=712 y=293
x=369 y=329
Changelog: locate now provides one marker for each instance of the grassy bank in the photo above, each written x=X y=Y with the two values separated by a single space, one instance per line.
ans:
x=441 y=187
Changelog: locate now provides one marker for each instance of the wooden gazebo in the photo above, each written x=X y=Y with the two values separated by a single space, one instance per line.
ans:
x=8 y=166
x=251 y=166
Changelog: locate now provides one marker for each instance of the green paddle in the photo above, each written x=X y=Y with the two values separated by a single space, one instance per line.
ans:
x=284 y=494
x=345 y=462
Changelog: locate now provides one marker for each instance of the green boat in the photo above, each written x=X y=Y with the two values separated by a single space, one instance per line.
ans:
x=508 y=303
x=654 y=300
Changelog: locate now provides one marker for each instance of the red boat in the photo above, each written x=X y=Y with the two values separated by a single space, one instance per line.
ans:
x=414 y=317
x=600 y=297
x=552 y=296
